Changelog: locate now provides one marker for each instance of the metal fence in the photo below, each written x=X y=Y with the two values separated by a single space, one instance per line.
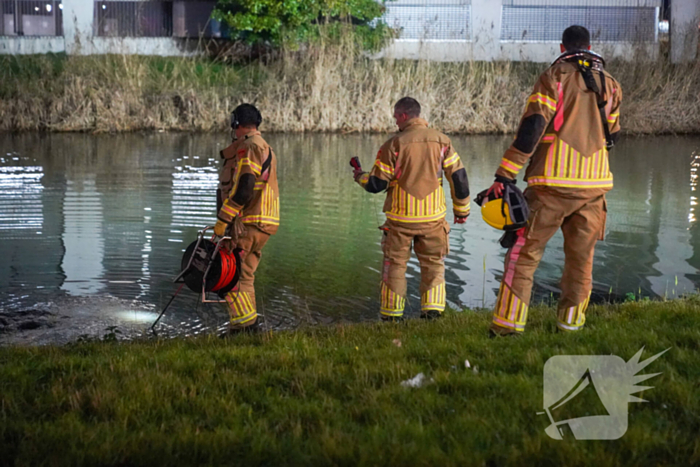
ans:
x=31 y=18
x=435 y=20
x=166 y=18
x=133 y=19
x=611 y=22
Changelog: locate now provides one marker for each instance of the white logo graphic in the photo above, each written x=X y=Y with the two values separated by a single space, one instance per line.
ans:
x=590 y=394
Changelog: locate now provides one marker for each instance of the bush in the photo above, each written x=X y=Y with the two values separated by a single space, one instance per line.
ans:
x=290 y=23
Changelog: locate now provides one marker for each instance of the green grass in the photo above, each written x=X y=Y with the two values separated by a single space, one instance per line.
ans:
x=332 y=395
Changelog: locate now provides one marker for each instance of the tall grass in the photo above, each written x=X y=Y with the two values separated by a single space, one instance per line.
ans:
x=319 y=88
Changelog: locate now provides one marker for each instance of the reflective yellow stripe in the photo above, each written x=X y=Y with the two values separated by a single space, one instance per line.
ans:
x=453 y=159
x=510 y=312
x=462 y=209
x=542 y=99
x=230 y=210
x=391 y=304
x=242 y=307
x=260 y=220
x=384 y=168
x=256 y=168
x=565 y=182
x=406 y=208
x=363 y=179
x=433 y=299
x=511 y=166
x=567 y=168
x=410 y=219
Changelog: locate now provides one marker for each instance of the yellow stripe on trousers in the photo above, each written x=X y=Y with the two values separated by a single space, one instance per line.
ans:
x=242 y=307
x=391 y=304
x=510 y=311
x=433 y=299
x=574 y=317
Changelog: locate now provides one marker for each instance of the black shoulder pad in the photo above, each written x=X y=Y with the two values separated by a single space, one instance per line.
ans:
x=375 y=185
x=529 y=133
x=244 y=192
x=461 y=183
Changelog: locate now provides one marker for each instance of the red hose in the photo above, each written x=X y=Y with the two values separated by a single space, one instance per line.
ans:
x=228 y=269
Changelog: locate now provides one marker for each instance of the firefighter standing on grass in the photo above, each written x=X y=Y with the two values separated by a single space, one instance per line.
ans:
x=248 y=206
x=410 y=166
x=571 y=121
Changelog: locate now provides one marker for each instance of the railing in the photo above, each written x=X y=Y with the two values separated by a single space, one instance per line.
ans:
x=31 y=18
x=528 y=20
x=608 y=21
x=430 y=20
x=166 y=18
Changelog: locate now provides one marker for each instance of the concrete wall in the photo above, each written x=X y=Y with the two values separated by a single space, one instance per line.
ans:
x=685 y=16
x=25 y=45
x=538 y=52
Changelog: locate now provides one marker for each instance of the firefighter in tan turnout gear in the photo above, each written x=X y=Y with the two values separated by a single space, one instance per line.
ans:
x=571 y=121
x=410 y=167
x=248 y=206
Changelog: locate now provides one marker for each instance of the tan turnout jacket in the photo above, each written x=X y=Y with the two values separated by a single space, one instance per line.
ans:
x=249 y=155
x=566 y=149
x=413 y=163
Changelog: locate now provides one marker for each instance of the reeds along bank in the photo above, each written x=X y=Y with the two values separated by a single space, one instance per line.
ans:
x=330 y=88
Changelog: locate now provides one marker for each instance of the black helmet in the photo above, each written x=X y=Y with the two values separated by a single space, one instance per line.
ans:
x=245 y=115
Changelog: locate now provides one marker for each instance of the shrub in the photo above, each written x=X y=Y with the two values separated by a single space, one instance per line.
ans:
x=290 y=23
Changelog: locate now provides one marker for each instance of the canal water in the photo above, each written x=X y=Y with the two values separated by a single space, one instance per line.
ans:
x=92 y=229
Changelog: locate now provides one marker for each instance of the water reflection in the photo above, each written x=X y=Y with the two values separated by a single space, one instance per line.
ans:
x=82 y=236
x=109 y=216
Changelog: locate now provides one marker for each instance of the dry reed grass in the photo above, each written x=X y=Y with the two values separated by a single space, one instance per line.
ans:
x=322 y=88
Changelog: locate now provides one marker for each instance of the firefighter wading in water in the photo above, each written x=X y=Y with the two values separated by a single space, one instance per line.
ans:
x=410 y=166
x=571 y=121
x=248 y=207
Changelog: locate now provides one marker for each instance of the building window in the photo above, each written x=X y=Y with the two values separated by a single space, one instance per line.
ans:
x=157 y=18
x=31 y=18
x=134 y=19
x=614 y=22
x=436 y=20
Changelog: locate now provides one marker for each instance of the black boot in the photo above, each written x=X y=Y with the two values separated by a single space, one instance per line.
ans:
x=392 y=319
x=431 y=315
x=236 y=330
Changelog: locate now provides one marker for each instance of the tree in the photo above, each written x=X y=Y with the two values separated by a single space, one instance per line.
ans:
x=291 y=23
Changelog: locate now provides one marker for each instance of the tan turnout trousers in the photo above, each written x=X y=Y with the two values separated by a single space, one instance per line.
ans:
x=582 y=221
x=430 y=242
x=241 y=299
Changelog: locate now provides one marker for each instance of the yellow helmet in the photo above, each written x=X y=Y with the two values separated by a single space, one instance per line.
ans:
x=508 y=212
x=496 y=214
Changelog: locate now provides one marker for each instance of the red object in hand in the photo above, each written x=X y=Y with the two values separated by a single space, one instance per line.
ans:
x=356 y=167
x=355 y=163
x=496 y=188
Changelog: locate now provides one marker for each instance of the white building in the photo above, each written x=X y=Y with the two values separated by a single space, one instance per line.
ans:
x=446 y=30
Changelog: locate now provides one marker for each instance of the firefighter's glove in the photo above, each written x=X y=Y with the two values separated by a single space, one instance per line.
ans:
x=461 y=219
x=497 y=187
x=505 y=180
x=220 y=228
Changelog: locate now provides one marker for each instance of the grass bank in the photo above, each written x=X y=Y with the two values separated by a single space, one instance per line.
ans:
x=332 y=396
x=323 y=88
